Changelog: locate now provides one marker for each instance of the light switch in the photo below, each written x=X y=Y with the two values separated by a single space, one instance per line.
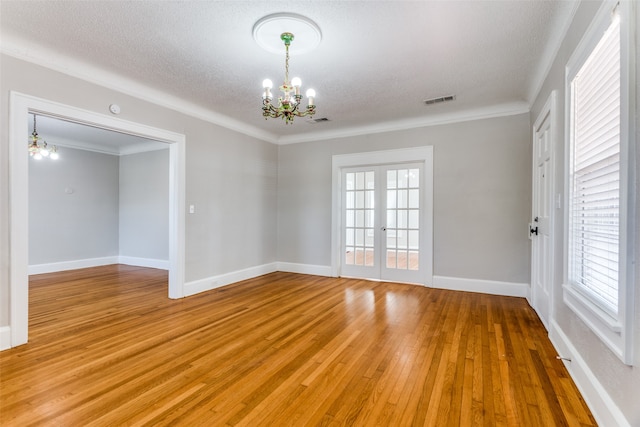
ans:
x=192 y=209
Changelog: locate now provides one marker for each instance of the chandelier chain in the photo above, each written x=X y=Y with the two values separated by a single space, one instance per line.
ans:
x=286 y=66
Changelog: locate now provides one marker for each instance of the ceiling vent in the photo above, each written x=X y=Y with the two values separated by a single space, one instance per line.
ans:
x=320 y=120
x=440 y=99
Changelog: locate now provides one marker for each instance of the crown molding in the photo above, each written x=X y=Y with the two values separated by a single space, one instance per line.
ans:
x=36 y=54
x=26 y=51
x=499 y=110
x=104 y=149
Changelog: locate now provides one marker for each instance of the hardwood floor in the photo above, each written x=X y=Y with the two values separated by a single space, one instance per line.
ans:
x=108 y=348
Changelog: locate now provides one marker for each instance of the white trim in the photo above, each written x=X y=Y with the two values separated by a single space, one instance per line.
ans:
x=601 y=323
x=617 y=334
x=314 y=270
x=601 y=404
x=5 y=337
x=71 y=265
x=423 y=155
x=213 y=282
x=160 y=264
x=501 y=110
x=54 y=267
x=177 y=218
x=20 y=105
x=41 y=56
x=105 y=149
x=493 y=287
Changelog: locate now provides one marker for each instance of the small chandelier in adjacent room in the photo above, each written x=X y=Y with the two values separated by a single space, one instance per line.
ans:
x=38 y=147
x=289 y=104
x=283 y=26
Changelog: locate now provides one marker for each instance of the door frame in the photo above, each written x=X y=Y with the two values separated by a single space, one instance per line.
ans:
x=547 y=111
x=20 y=105
x=422 y=155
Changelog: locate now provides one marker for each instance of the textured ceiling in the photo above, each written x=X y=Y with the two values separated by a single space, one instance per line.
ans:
x=376 y=64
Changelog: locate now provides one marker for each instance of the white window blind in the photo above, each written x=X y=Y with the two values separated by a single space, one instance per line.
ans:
x=594 y=203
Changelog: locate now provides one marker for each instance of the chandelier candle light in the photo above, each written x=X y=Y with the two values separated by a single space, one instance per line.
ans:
x=289 y=104
x=37 y=150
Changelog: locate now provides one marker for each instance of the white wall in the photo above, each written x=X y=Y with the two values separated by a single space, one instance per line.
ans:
x=611 y=388
x=73 y=207
x=144 y=205
x=482 y=196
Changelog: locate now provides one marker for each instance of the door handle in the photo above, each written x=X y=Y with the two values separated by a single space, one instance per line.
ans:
x=383 y=228
x=533 y=230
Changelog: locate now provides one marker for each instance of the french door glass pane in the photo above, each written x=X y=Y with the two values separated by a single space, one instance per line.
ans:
x=414 y=218
x=402 y=260
x=391 y=258
x=414 y=178
x=403 y=178
x=359 y=218
x=403 y=219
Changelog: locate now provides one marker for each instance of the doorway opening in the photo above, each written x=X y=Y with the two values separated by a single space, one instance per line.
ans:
x=103 y=200
x=20 y=107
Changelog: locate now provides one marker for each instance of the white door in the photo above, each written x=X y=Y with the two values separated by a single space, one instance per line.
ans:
x=383 y=232
x=540 y=227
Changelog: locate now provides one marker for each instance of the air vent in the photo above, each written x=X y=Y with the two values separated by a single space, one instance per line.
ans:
x=320 y=120
x=440 y=99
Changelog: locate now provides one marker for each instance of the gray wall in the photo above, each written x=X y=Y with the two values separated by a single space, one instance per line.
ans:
x=144 y=205
x=92 y=205
x=229 y=176
x=482 y=196
x=73 y=207
x=621 y=382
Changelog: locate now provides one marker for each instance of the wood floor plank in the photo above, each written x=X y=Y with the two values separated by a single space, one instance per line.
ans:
x=108 y=348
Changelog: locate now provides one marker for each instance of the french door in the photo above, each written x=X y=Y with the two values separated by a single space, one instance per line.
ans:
x=382 y=236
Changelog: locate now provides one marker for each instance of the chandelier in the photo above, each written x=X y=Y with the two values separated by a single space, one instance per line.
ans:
x=38 y=147
x=289 y=104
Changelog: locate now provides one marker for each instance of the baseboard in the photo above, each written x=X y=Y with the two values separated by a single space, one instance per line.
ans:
x=5 y=337
x=316 y=270
x=213 y=282
x=493 y=287
x=160 y=264
x=72 y=265
x=97 y=262
x=602 y=406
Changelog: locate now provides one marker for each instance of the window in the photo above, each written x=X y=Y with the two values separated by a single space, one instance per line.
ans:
x=598 y=275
